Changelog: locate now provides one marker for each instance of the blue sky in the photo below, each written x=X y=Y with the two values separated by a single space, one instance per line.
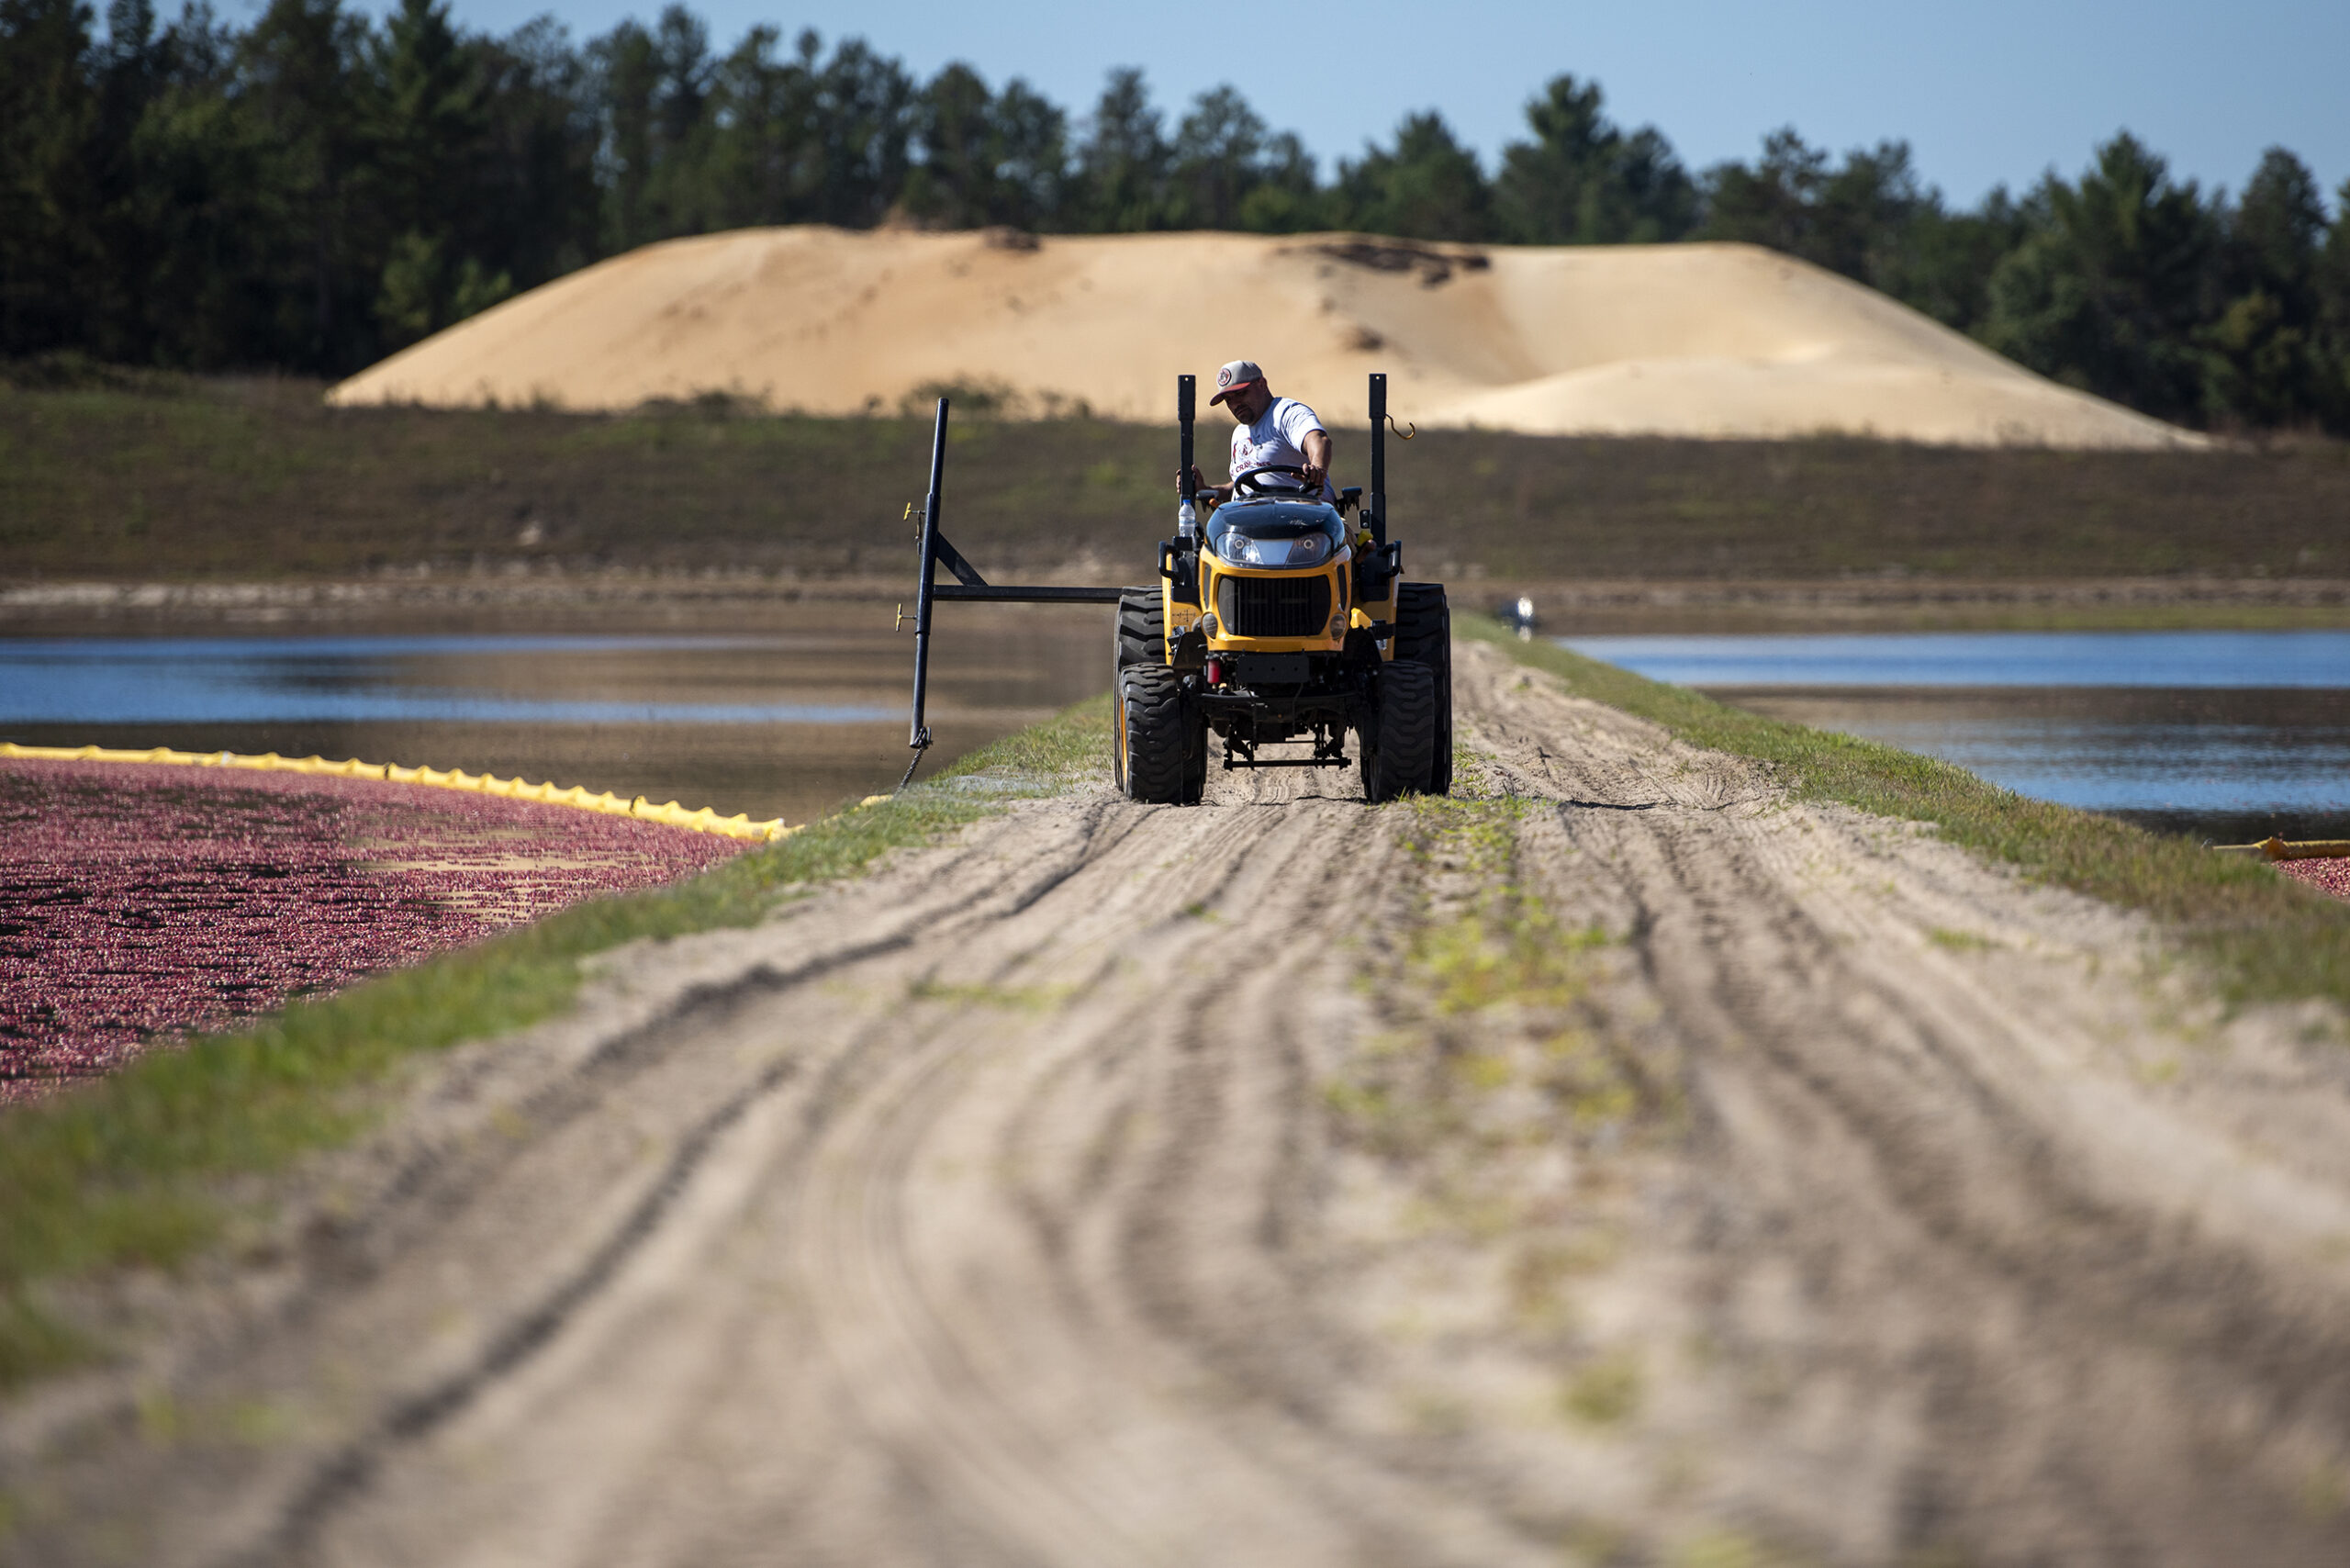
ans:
x=1995 y=92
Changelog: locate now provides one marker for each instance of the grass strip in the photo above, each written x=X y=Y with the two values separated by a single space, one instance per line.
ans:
x=2269 y=937
x=127 y=1170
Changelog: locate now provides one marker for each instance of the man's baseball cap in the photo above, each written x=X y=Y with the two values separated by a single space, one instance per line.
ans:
x=1237 y=376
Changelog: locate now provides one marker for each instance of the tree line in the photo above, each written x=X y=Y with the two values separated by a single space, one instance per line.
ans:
x=317 y=190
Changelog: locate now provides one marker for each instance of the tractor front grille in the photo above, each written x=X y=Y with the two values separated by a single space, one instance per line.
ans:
x=1273 y=607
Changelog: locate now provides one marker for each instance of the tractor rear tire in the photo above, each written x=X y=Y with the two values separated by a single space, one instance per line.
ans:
x=1160 y=732
x=1142 y=627
x=1399 y=748
x=1424 y=635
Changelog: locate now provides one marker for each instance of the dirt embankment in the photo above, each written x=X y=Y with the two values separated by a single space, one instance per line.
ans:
x=1631 y=1166
x=227 y=488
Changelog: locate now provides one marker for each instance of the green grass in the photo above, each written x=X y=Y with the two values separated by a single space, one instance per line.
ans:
x=128 y=1171
x=2268 y=937
x=1500 y=944
x=1606 y=1392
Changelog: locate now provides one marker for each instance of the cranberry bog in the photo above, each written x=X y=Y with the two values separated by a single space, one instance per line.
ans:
x=2331 y=874
x=144 y=902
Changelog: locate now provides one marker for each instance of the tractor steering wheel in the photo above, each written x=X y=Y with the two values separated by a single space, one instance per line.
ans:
x=1247 y=483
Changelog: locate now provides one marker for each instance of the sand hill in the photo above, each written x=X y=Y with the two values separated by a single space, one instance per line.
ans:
x=1718 y=341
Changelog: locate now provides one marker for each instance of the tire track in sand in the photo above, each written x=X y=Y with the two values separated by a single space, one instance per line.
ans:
x=1004 y=1207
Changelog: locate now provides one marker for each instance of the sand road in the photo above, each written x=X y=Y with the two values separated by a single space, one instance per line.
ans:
x=1631 y=1166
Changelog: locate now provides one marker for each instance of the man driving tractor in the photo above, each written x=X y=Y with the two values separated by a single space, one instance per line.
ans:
x=1269 y=431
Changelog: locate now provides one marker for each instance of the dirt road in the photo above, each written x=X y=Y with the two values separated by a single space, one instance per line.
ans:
x=1627 y=1166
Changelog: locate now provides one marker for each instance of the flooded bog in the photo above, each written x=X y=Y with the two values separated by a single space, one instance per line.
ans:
x=147 y=900
x=786 y=718
x=2231 y=736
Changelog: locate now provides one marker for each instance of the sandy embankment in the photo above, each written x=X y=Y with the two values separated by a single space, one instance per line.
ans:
x=1708 y=340
x=1121 y=1184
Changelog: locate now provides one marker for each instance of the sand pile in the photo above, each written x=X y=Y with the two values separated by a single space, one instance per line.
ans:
x=1718 y=341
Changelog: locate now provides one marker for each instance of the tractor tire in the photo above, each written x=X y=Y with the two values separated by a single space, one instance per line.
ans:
x=1142 y=627
x=1195 y=764
x=1159 y=731
x=1424 y=635
x=1399 y=749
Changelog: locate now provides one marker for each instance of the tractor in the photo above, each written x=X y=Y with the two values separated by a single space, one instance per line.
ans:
x=1278 y=619
x=1281 y=619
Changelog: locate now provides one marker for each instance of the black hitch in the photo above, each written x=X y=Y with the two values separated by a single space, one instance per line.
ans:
x=1330 y=739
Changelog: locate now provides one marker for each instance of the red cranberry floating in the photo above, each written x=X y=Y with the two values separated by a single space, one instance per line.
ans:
x=148 y=901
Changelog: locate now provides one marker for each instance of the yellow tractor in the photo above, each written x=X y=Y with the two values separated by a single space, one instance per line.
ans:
x=1280 y=619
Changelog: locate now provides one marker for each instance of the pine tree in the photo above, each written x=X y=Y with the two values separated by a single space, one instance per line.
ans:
x=1428 y=187
x=303 y=68
x=50 y=247
x=2332 y=286
x=1582 y=182
x=2107 y=290
x=2263 y=365
x=1126 y=159
x=430 y=139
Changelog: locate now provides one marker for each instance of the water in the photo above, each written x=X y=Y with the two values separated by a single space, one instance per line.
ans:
x=2178 y=660
x=250 y=680
x=784 y=719
x=2225 y=733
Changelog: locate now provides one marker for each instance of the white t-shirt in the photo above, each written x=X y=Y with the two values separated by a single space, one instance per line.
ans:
x=1277 y=438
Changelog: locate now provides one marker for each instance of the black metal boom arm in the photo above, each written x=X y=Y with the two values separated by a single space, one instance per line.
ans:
x=936 y=552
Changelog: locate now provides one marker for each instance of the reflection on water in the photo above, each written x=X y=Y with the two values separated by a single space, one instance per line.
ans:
x=783 y=720
x=2232 y=660
x=247 y=680
x=2224 y=733
x=2230 y=733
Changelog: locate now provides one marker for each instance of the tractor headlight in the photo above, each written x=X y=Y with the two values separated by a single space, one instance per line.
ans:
x=1305 y=551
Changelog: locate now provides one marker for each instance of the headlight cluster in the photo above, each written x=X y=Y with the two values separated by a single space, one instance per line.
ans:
x=1305 y=550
